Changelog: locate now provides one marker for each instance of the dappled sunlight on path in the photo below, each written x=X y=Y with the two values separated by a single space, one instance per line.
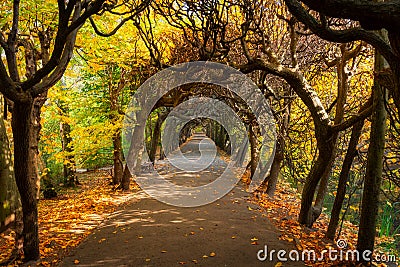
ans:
x=228 y=232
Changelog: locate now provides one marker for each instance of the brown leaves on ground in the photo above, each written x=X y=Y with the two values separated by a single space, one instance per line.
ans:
x=283 y=211
x=66 y=220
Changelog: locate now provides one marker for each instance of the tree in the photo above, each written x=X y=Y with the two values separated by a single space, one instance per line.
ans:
x=248 y=39
x=43 y=69
x=371 y=15
x=373 y=175
x=378 y=16
x=9 y=196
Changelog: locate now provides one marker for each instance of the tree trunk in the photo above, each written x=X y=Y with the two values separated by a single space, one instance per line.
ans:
x=117 y=153
x=157 y=135
x=316 y=172
x=10 y=202
x=275 y=168
x=35 y=138
x=343 y=178
x=126 y=179
x=342 y=89
x=25 y=175
x=135 y=149
x=323 y=184
x=373 y=175
x=69 y=161
x=254 y=151
x=241 y=154
x=280 y=147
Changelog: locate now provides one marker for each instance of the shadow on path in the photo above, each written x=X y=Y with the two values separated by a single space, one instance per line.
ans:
x=228 y=232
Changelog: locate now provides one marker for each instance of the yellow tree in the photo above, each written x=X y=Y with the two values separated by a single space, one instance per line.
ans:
x=47 y=32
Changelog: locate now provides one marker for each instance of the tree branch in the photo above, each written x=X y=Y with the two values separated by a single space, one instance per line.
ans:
x=375 y=14
x=365 y=111
x=340 y=36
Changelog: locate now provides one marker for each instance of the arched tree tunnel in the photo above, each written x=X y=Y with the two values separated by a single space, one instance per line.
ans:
x=250 y=150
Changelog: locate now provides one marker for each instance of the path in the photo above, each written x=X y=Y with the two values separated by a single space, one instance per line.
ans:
x=228 y=232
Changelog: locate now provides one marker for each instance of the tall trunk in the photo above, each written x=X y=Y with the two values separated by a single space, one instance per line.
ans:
x=117 y=153
x=254 y=150
x=25 y=175
x=35 y=138
x=342 y=89
x=343 y=178
x=156 y=135
x=241 y=154
x=10 y=202
x=135 y=150
x=373 y=175
x=126 y=179
x=114 y=91
x=323 y=184
x=280 y=147
x=69 y=161
x=275 y=168
x=317 y=171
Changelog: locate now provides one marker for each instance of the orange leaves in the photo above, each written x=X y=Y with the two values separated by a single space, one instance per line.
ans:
x=64 y=222
x=283 y=212
x=254 y=241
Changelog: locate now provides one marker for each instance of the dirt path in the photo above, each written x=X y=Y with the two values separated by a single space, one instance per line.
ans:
x=228 y=232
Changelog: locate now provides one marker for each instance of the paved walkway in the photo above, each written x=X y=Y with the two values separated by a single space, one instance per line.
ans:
x=228 y=232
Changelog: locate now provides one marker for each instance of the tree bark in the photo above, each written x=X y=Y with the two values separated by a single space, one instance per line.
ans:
x=343 y=178
x=10 y=202
x=373 y=175
x=275 y=168
x=254 y=150
x=117 y=157
x=69 y=162
x=317 y=171
x=135 y=150
x=25 y=175
x=156 y=135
